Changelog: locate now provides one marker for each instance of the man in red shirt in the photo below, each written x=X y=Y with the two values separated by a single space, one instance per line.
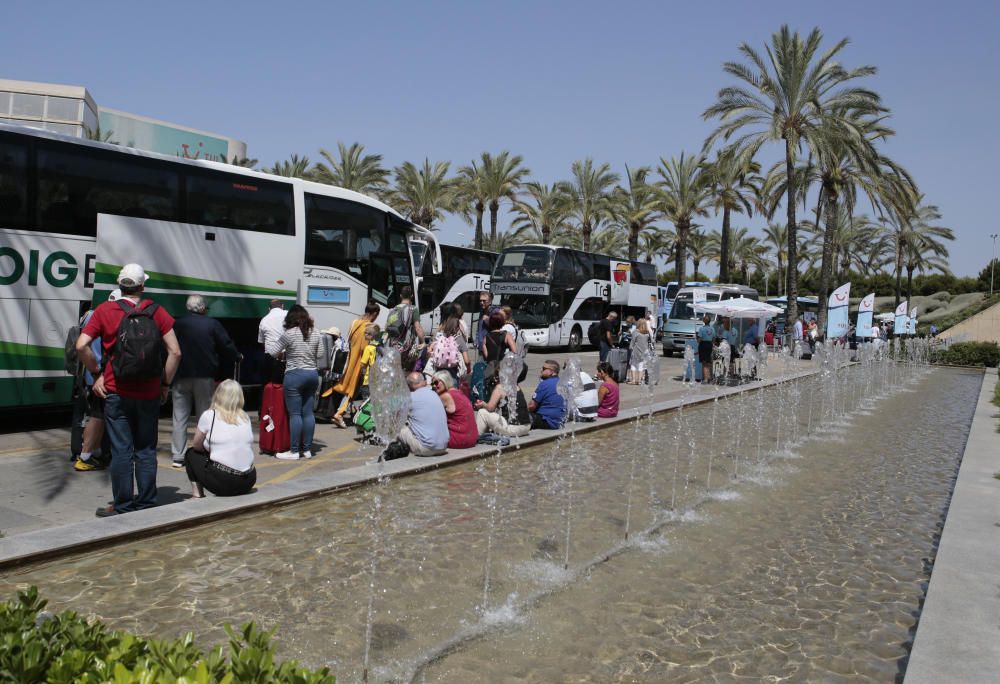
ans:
x=131 y=407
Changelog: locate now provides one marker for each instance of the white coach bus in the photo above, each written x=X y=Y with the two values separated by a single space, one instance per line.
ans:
x=464 y=273
x=557 y=292
x=72 y=212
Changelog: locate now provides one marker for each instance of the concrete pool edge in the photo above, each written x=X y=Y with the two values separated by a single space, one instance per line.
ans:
x=92 y=534
x=956 y=638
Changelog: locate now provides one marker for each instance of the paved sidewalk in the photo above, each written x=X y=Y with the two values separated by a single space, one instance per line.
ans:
x=41 y=491
x=957 y=635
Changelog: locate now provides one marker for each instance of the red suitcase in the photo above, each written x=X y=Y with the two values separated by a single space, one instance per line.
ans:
x=274 y=436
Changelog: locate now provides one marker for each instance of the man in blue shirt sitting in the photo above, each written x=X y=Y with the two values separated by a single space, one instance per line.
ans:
x=547 y=407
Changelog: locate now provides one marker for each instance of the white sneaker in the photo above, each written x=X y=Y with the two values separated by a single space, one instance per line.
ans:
x=307 y=454
x=287 y=456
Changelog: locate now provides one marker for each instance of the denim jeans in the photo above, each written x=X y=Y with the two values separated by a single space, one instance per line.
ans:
x=300 y=392
x=605 y=350
x=131 y=426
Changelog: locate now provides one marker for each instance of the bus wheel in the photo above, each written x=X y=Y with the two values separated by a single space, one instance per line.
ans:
x=575 y=339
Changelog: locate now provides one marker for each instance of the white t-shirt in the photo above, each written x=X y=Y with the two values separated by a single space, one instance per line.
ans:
x=230 y=445
x=797 y=330
x=586 y=403
x=270 y=329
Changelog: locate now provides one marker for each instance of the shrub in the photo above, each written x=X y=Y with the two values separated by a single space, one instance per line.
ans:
x=970 y=354
x=39 y=647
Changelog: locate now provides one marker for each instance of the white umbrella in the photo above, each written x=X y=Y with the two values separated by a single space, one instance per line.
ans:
x=885 y=317
x=738 y=308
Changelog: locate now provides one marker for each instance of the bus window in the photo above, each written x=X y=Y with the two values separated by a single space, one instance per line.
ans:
x=76 y=185
x=524 y=264
x=564 y=273
x=342 y=234
x=380 y=283
x=13 y=185
x=590 y=309
x=602 y=267
x=242 y=202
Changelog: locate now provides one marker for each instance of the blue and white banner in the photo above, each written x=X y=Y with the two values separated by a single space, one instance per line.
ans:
x=901 y=321
x=866 y=309
x=912 y=322
x=836 y=315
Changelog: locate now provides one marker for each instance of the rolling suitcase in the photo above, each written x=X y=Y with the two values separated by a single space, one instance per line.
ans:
x=274 y=435
x=618 y=358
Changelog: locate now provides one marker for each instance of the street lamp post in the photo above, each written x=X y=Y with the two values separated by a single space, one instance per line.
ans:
x=993 y=261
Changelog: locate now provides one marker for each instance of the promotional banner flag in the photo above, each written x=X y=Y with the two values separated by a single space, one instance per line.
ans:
x=837 y=322
x=865 y=311
x=900 y=322
x=621 y=278
x=912 y=329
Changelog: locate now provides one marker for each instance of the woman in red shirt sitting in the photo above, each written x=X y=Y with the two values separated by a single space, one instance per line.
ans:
x=462 y=430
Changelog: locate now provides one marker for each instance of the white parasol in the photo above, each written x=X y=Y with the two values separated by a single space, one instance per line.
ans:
x=738 y=308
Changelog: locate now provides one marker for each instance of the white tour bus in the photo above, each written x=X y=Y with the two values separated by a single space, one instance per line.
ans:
x=557 y=292
x=684 y=322
x=73 y=211
x=464 y=273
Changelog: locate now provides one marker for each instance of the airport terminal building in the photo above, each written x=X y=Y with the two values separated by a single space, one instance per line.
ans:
x=71 y=110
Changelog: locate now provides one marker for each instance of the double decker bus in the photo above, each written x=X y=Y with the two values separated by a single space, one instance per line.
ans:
x=464 y=273
x=557 y=292
x=73 y=212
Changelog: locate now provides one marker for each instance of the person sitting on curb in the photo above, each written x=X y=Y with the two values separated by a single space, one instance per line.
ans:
x=221 y=457
x=586 y=401
x=462 y=430
x=426 y=429
x=609 y=393
x=547 y=407
x=495 y=415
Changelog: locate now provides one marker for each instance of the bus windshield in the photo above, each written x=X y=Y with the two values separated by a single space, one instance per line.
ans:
x=672 y=289
x=530 y=311
x=683 y=309
x=525 y=265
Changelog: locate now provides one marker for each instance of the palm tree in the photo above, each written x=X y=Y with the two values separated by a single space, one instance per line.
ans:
x=502 y=178
x=700 y=248
x=686 y=194
x=796 y=95
x=590 y=188
x=293 y=167
x=470 y=198
x=352 y=169
x=919 y=243
x=503 y=240
x=546 y=214
x=609 y=239
x=423 y=194
x=735 y=184
x=748 y=252
x=777 y=236
x=635 y=207
x=245 y=162
x=656 y=242
x=99 y=135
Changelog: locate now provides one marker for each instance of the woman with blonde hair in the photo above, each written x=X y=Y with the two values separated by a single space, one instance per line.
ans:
x=462 y=431
x=221 y=459
x=640 y=347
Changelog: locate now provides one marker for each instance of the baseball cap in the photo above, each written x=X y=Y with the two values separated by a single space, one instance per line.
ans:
x=115 y=295
x=131 y=275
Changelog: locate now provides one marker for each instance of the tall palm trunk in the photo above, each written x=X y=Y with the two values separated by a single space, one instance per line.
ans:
x=723 y=248
x=494 y=209
x=683 y=227
x=586 y=229
x=633 y=240
x=826 y=266
x=479 y=224
x=909 y=284
x=546 y=233
x=792 y=278
x=696 y=263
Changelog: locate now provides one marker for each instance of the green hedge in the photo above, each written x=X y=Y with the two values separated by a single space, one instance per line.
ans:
x=66 y=648
x=969 y=354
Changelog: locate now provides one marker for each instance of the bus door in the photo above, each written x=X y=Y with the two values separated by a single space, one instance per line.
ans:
x=387 y=275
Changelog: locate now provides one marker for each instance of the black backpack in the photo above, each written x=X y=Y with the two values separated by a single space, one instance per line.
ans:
x=138 y=350
x=594 y=334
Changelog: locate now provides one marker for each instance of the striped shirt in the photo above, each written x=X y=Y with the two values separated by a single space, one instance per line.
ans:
x=299 y=353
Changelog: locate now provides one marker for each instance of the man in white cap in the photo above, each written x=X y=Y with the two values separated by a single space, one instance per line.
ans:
x=133 y=333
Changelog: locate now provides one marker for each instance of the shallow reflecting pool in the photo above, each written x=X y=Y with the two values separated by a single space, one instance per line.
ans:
x=786 y=533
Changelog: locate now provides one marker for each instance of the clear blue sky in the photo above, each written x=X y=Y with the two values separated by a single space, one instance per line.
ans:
x=621 y=82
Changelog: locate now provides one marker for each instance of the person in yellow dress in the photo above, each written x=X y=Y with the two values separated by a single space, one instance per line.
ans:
x=348 y=384
x=372 y=333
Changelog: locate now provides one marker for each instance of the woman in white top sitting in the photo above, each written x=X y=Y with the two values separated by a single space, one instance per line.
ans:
x=221 y=458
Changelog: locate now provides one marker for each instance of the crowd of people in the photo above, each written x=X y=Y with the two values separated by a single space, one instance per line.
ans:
x=132 y=355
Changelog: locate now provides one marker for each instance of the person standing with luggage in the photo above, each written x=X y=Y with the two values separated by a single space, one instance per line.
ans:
x=270 y=329
x=133 y=332
x=607 y=334
x=403 y=330
x=205 y=348
x=301 y=346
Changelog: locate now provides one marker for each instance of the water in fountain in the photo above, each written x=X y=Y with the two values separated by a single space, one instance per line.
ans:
x=570 y=388
x=724 y=353
x=689 y=367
